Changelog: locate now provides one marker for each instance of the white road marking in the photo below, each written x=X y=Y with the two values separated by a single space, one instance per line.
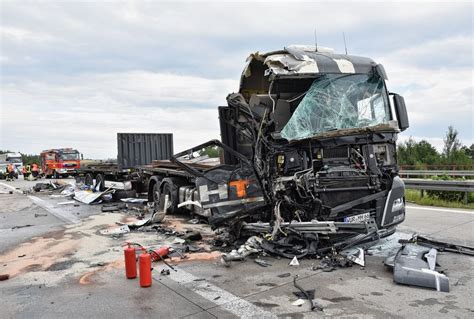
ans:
x=12 y=188
x=226 y=300
x=446 y=210
x=55 y=211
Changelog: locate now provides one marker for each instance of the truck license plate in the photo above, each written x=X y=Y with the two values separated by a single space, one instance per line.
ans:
x=362 y=218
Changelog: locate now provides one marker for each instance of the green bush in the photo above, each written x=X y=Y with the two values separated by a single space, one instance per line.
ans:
x=450 y=196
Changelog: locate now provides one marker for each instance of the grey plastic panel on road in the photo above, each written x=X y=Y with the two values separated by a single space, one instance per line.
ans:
x=135 y=149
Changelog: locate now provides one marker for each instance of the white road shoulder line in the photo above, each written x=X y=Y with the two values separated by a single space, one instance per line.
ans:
x=12 y=188
x=55 y=211
x=226 y=300
x=445 y=210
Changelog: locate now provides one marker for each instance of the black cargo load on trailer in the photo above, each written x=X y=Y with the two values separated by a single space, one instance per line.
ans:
x=136 y=149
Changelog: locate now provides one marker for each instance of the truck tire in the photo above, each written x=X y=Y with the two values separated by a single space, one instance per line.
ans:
x=156 y=194
x=170 y=187
x=120 y=194
x=88 y=179
x=100 y=179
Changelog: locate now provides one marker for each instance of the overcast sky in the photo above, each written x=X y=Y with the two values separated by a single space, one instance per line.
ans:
x=74 y=73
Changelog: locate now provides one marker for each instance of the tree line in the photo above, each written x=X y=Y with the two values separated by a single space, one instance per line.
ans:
x=410 y=153
x=422 y=153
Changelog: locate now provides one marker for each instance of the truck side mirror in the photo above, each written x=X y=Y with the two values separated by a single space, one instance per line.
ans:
x=401 y=110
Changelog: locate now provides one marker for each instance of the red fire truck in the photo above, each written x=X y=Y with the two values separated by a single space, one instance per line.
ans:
x=61 y=162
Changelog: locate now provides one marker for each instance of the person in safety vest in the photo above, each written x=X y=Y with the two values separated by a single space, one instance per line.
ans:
x=26 y=171
x=10 y=171
x=35 y=170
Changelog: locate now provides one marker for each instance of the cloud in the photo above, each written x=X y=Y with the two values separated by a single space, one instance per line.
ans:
x=438 y=93
x=87 y=111
x=75 y=73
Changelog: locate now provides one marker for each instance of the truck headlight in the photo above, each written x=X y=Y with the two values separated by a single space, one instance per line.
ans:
x=398 y=204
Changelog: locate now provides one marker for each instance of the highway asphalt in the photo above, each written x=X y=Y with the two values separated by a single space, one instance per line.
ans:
x=61 y=266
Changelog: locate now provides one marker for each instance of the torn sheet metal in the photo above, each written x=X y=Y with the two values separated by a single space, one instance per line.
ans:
x=88 y=197
x=295 y=60
x=136 y=224
x=414 y=265
x=127 y=185
x=134 y=200
x=116 y=231
x=439 y=245
x=356 y=255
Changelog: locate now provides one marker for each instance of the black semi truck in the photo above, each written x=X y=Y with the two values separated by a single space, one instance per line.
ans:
x=307 y=153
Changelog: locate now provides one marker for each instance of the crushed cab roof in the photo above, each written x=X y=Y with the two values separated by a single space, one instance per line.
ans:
x=298 y=60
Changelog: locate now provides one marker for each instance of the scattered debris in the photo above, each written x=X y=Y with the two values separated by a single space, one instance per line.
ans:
x=44 y=186
x=127 y=185
x=89 y=197
x=116 y=231
x=178 y=240
x=99 y=264
x=192 y=235
x=66 y=203
x=439 y=245
x=251 y=246
x=134 y=200
x=415 y=265
x=312 y=304
x=284 y=275
x=4 y=277
x=165 y=272
x=22 y=226
x=298 y=302
x=40 y=215
x=136 y=224
x=113 y=207
x=309 y=293
x=356 y=255
x=262 y=262
x=294 y=262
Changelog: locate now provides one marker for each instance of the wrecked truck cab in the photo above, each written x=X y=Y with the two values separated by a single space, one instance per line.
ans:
x=321 y=131
x=307 y=157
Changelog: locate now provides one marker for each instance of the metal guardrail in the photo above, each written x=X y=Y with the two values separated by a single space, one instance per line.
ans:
x=426 y=184
x=435 y=173
x=466 y=186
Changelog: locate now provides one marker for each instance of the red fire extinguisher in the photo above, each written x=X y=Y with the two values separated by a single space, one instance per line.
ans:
x=160 y=253
x=130 y=261
x=144 y=262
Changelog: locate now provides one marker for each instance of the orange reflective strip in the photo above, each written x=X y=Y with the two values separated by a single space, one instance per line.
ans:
x=240 y=186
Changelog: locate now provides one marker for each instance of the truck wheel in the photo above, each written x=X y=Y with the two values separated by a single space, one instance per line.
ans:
x=88 y=179
x=100 y=179
x=156 y=194
x=172 y=190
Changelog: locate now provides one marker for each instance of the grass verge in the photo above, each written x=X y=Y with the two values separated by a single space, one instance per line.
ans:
x=414 y=196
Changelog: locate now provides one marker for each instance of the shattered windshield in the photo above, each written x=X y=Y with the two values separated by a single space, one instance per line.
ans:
x=339 y=101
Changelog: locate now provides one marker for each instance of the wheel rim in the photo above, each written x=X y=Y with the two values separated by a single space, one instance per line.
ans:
x=156 y=194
